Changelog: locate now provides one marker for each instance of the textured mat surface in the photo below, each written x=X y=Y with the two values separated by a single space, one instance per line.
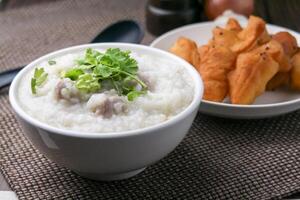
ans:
x=219 y=159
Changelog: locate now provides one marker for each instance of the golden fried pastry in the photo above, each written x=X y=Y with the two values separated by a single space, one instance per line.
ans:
x=243 y=62
x=289 y=45
x=241 y=41
x=275 y=50
x=202 y=50
x=196 y=59
x=216 y=62
x=186 y=49
x=249 y=79
x=288 y=42
x=280 y=79
x=264 y=38
x=233 y=25
x=224 y=37
x=295 y=72
x=249 y=36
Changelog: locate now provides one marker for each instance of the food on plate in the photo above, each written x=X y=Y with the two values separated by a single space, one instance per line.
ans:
x=288 y=42
x=241 y=63
x=233 y=25
x=224 y=37
x=250 y=77
x=280 y=79
x=105 y=90
x=275 y=50
x=215 y=63
x=295 y=72
x=186 y=49
x=249 y=36
x=243 y=40
x=289 y=45
x=254 y=69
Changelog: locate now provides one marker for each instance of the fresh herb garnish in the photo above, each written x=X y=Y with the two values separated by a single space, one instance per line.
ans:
x=73 y=74
x=113 y=66
x=51 y=62
x=87 y=83
x=38 y=79
x=134 y=94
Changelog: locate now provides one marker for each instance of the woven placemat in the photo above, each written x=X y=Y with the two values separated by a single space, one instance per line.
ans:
x=219 y=159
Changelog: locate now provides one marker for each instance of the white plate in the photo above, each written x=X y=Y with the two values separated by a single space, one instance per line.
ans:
x=267 y=105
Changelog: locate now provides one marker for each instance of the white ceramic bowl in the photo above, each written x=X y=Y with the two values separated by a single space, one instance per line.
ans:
x=108 y=156
x=269 y=104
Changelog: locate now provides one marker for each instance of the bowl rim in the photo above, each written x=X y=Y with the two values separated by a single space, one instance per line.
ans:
x=164 y=36
x=198 y=93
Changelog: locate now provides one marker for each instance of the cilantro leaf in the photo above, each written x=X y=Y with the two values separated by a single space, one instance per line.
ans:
x=39 y=77
x=134 y=94
x=123 y=60
x=91 y=57
x=103 y=71
x=33 y=86
x=73 y=74
x=90 y=60
x=116 y=68
x=87 y=83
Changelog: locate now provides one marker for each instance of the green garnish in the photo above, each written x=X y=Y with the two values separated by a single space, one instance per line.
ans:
x=114 y=66
x=38 y=79
x=87 y=83
x=51 y=62
x=134 y=94
x=73 y=74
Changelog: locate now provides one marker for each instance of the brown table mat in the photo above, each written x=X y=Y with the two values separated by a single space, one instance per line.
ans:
x=219 y=159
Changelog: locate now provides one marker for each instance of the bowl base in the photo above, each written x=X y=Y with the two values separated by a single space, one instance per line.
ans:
x=110 y=177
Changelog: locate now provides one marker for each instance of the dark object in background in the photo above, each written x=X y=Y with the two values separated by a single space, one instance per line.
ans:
x=214 y=8
x=2 y=4
x=164 y=15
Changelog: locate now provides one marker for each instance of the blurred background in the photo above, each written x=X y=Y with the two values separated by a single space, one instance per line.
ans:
x=32 y=28
x=180 y=12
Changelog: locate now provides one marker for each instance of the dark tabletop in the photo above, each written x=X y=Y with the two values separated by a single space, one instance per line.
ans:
x=280 y=12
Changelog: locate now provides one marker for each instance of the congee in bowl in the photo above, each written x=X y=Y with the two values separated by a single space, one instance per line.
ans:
x=106 y=111
x=105 y=90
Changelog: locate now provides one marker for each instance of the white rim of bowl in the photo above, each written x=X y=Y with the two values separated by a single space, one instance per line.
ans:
x=222 y=104
x=198 y=92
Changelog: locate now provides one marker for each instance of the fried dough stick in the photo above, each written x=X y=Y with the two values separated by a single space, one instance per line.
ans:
x=216 y=62
x=233 y=25
x=280 y=79
x=276 y=51
x=255 y=31
x=186 y=49
x=295 y=72
x=244 y=40
x=249 y=79
x=289 y=44
x=226 y=36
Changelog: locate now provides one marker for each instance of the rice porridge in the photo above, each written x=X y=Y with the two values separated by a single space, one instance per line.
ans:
x=92 y=91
